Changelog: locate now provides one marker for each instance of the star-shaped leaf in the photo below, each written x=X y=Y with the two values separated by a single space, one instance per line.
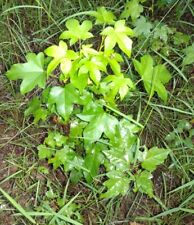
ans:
x=155 y=157
x=118 y=35
x=93 y=66
x=103 y=16
x=61 y=55
x=142 y=27
x=132 y=9
x=64 y=99
x=154 y=78
x=76 y=31
x=32 y=72
x=118 y=84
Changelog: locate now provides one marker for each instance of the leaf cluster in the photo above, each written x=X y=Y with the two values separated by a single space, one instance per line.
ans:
x=82 y=85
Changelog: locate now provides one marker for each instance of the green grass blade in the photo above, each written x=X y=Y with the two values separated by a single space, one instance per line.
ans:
x=187 y=210
x=173 y=109
x=123 y=115
x=189 y=184
x=167 y=212
x=187 y=200
x=46 y=214
x=17 y=206
x=20 y=7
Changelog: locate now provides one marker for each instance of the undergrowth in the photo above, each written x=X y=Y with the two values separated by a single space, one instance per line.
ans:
x=117 y=88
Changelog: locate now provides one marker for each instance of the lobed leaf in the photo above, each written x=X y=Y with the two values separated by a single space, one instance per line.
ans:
x=64 y=99
x=154 y=78
x=76 y=31
x=132 y=9
x=31 y=73
x=118 y=35
x=103 y=16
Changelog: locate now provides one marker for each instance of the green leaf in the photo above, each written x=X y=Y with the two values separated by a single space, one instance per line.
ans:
x=103 y=16
x=154 y=78
x=118 y=159
x=93 y=67
x=101 y=123
x=76 y=129
x=64 y=99
x=142 y=27
x=35 y=109
x=67 y=158
x=31 y=73
x=189 y=58
x=93 y=160
x=114 y=59
x=117 y=184
x=155 y=157
x=162 y=32
x=132 y=9
x=55 y=139
x=118 y=84
x=125 y=136
x=80 y=81
x=144 y=184
x=118 y=35
x=76 y=31
x=44 y=152
x=181 y=38
x=90 y=110
x=76 y=176
x=61 y=55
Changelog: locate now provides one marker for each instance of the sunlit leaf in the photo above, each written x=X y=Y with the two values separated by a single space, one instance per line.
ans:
x=118 y=35
x=61 y=55
x=77 y=31
x=103 y=16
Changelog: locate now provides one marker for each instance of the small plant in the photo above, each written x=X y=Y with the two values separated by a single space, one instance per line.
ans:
x=182 y=135
x=82 y=84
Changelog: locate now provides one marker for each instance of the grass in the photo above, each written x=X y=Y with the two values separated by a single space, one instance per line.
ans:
x=30 y=190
